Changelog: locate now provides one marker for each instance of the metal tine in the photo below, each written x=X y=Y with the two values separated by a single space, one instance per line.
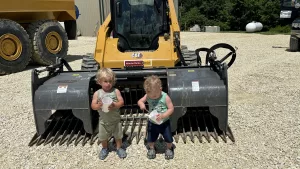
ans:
x=191 y=130
x=126 y=124
x=125 y=101
x=139 y=130
x=62 y=140
x=60 y=131
x=213 y=134
x=52 y=132
x=223 y=137
x=206 y=130
x=146 y=130
x=176 y=137
x=93 y=138
x=41 y=140
x=229 y=134
x=79 y=136
x=130 y=100
x=132 y=128
x=73 y=132
x=198 y=127
x=183 y=135
x=86 y=138
x=124 y=115
x=34 y=140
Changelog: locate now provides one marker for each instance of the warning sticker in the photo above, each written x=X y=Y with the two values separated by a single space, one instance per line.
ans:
x=62 y=89
x=195 y=86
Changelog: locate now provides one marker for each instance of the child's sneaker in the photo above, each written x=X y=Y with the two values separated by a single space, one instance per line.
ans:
x=169 y=154
x=103 y=153
x=151 y=153
x=121 y=153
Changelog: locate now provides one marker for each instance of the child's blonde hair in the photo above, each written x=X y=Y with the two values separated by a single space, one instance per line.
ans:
x=105 y=73
x=152 y=83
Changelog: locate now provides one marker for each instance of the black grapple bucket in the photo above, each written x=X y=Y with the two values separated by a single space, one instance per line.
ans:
x=62 y=99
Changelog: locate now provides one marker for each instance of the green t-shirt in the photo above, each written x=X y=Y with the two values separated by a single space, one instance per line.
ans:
x=112 y=116
x=158 y=104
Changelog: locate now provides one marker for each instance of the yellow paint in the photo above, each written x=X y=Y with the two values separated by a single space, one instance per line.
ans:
x=108 y=55
x=10 y=47
x=23 y=11
x=53 y=42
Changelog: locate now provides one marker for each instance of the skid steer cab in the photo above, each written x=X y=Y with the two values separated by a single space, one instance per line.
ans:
x=62 y=97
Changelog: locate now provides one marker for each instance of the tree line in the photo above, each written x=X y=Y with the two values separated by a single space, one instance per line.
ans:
x=230 y=15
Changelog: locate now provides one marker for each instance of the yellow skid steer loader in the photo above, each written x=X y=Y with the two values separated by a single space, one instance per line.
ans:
x=139 y=38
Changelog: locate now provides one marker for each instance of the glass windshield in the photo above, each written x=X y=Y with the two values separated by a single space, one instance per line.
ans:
x=139 y=22
x=288 y=3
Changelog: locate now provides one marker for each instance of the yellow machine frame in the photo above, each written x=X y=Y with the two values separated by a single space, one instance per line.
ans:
x=108 y=55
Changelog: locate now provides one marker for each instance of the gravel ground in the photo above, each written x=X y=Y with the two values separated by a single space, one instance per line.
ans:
x=263 y=114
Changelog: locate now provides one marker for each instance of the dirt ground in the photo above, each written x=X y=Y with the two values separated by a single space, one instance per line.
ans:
x=264 y=114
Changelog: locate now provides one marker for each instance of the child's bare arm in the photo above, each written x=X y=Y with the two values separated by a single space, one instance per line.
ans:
x=96 y=104
x=141 y=102
x=120 y=102
x=170 y=108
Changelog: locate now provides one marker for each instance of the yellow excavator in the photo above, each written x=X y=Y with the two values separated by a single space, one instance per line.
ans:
x=139 y=38
x=30 y=32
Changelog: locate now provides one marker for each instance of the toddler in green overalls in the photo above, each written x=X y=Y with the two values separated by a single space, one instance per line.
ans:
x=109 y=123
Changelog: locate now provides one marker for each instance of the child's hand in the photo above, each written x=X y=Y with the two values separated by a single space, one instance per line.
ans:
x=99 y=103
x=159 y=117
x=142 y=107
x=110 y=107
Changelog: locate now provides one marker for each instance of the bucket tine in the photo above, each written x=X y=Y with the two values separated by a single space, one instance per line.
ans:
x=85 y=139
x=93 y=138
x=34 y=140
x=214 y=133
x=139 y=130
x=60 y=131
x=198 y=127
x=206 y=130
x=132 y=134
x=126 y=125
x=53 y=131
x=124 y=116
x=70 y=140
x=191 y=129
x=79 y=136
x=69 y=128
x=41 y=139
x=229 y=134
x=146 y=129
x=223 y=137
x=176 y=137
x=183 y=135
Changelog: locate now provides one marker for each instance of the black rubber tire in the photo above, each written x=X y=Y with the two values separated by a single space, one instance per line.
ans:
x=189 y=56
x=89 y=63
x=37 y=33
x=12 y=27
x=71 y=29
x=294 y=43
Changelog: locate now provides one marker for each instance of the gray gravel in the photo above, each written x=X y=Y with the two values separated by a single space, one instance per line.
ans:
x=263 y=114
